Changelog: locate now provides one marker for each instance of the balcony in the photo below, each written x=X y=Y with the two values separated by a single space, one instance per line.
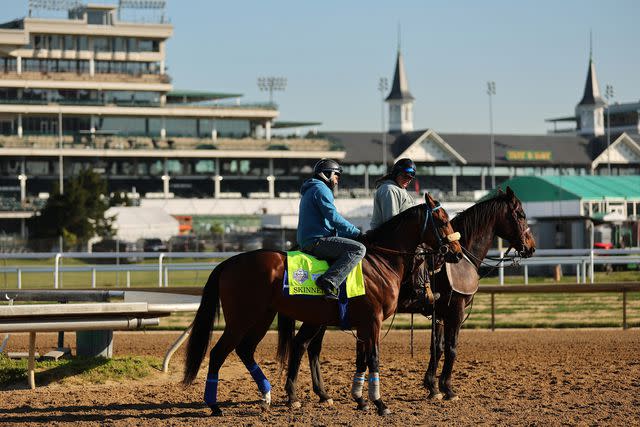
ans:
x=86 y=77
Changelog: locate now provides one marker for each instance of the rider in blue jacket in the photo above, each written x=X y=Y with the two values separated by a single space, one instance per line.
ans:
x=323 y=232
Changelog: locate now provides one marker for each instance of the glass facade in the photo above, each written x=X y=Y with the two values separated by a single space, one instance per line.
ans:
x=99 y=43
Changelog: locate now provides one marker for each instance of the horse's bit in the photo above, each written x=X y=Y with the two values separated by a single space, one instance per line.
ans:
x=443 y=242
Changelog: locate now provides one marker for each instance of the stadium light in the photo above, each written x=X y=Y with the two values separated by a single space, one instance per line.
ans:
x=608 y=93
x=271 y=84
x=383 y=87
x=491 y=91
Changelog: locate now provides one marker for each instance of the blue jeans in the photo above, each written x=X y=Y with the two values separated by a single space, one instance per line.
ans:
x=343 y=254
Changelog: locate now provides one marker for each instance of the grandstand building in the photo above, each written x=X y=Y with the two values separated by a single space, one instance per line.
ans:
x=88 y=88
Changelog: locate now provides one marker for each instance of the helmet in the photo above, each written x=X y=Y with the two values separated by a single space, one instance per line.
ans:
x=325 y=169
x=405 y=165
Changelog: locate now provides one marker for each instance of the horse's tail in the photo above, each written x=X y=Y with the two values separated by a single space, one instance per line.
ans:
x=286 y=332
x=203 y=325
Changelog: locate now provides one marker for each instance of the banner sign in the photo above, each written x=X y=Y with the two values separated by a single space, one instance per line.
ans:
x=528 y=155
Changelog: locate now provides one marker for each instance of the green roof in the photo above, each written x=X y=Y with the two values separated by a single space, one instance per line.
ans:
x=284 y=125
x=593 y=187
x=198 y=95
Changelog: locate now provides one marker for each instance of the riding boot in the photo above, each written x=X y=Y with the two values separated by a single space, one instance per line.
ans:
x=330 y=291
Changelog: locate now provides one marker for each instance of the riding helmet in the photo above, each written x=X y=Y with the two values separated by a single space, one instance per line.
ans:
x=405 y=165
x=325 y=169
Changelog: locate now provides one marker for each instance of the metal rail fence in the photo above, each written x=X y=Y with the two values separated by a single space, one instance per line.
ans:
x=584 y=261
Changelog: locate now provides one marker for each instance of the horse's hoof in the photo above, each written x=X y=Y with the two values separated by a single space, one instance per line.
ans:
x=362 y=405
x=434 y=396
x=384 y=411
x=215 y=411
x=264 y=407
x=451 y=398
x=382 y=408
x=295 y=405
x=327 y=402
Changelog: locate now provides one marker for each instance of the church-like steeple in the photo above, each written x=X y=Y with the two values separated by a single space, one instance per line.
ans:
x=400 y=100
x=591 y=90
x=590 y=109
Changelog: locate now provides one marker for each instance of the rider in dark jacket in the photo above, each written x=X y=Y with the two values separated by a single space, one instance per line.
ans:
x=323 y=232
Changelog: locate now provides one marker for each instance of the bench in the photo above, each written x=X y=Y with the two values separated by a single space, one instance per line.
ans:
x=139 y=309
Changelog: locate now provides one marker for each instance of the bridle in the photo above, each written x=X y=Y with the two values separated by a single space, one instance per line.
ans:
x=443 y=241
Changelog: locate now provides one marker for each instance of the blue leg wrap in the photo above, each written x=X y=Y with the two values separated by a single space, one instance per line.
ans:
x=260 y=379
x=211 y=390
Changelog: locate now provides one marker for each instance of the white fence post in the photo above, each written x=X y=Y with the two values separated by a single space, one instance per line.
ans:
x=56 y=269
x=19 y=273
x=128 y=279
x=166 y=277
x=93 y=277
x=501 y=269
x=160 y=258
x=577 y=273
x=592 y=271
x=526 y=274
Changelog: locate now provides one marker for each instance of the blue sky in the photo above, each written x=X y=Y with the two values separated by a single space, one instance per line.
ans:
x=333 y=53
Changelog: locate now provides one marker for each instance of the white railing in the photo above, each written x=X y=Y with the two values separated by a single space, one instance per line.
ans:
x=584 y=261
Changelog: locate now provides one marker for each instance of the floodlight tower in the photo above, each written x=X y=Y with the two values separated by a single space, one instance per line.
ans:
x=608 y=93
x=491 y=91
x=271 y=84
x=383 y=87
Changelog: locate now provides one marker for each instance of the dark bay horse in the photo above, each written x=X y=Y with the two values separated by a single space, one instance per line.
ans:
x=500 y=216
x=249 y=287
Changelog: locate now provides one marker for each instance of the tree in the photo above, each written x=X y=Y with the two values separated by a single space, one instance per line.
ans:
x=78 y=214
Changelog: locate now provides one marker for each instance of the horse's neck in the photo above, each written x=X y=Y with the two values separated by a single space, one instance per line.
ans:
x=479 y=242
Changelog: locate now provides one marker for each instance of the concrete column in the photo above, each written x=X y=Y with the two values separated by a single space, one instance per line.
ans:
x=20 y=126
x=216 y=186
x=19 y=64
x=271 y=179
x=366 y=178
x=163 y=99
x=163 y=130
x=272 y=186
x=454 y=180
x=165 y=185
x=267 y=130
x=482 y=179
x=23 y=229
x=23 y=187
x=214 y=131
x=92 y=67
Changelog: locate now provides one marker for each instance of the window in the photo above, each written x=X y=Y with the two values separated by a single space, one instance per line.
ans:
x=101 y=44
x=98 y=17
x=38 y=42
x=83 y=43
x=69 y=43
x=119 y=45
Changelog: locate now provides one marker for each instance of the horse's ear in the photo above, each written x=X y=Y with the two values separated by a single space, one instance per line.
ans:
x=429 y=200
x=499 y=192
x=510 y=192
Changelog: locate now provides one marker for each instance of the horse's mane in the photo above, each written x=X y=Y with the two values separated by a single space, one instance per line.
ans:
x=392 y=224
x=470 y=221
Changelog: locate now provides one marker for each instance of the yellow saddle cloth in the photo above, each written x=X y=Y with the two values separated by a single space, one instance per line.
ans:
x=303 y=270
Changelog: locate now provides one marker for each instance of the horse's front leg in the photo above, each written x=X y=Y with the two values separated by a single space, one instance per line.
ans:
x=372 y=346
x=435 y=354
x=359 y=376
x=451 y=330
x=314 y=364
x=305 y=335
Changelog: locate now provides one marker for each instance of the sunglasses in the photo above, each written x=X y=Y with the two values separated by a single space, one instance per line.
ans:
x=409 y=172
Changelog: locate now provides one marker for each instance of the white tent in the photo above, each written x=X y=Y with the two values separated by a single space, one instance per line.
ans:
x=136 y=222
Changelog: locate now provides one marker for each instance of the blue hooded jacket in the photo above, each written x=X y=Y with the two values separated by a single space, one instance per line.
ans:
x=318 y=216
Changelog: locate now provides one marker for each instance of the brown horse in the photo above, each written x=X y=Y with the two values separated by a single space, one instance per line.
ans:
x=500 y=216
x=249 y=287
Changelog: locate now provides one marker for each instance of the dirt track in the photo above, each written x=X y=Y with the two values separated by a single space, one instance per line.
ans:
x=542 y=377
